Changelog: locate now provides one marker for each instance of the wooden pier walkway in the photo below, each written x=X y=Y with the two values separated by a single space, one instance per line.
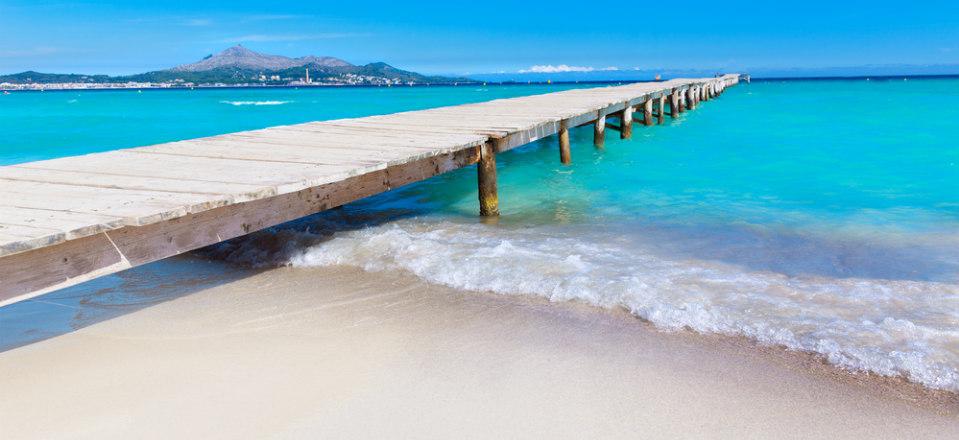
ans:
x=68 y=220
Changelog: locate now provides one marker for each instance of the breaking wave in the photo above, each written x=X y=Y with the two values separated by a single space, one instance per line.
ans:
x=891 y=327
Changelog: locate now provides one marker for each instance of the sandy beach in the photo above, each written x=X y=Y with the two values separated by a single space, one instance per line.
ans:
x=342 y=353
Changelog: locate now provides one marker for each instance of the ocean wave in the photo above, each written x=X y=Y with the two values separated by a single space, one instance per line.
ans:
x=901 y=328
x=242 y=103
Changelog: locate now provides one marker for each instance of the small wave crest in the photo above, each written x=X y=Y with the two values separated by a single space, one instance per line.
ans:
x=889 y=327
x=242 y=103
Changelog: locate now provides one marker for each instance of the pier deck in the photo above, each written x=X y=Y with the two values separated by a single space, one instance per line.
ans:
x=64 y=221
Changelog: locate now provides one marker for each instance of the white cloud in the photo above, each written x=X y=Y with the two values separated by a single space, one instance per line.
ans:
x=561 y=68
x=549 y=68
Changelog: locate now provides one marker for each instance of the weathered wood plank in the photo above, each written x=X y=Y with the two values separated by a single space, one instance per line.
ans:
x=98 y=180
x=75 y=261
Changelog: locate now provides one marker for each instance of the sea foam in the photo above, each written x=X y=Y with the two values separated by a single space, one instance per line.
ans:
x=901 y=328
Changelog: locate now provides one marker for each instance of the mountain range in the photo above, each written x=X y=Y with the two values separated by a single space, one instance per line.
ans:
x=243 y=58
x=239 y=65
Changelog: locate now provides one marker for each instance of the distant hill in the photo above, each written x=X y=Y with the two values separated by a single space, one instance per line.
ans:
x=242 y=58
x=46 y=78
x=239 y=65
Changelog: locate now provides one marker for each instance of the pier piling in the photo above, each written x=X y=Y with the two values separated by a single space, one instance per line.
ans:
x=486 y=177
x=674 y=104
x=648 y=112
x=599 y=131
x=626 y=122
x=661 y=109
x=564 y=154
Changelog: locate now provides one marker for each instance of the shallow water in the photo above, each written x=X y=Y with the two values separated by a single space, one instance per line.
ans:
x=820 y=215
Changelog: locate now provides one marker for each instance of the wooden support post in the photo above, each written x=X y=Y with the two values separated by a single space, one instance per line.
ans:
x=682 y=100
x=626 y=123
x=564 y=154
x=599 y=132
x=691 y=97
x=674 y=104
x=486 y=176
x=648 y=112
x=661 y=106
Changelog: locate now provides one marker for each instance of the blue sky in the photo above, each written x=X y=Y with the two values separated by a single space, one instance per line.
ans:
x=481 y=37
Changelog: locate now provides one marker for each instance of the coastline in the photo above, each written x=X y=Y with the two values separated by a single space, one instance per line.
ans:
x=38 y=87
x=340 y=351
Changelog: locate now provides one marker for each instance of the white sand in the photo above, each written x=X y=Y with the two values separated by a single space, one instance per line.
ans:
x=338 y=353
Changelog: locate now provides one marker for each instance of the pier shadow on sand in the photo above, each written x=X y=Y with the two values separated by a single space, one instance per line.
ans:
x=73 y=308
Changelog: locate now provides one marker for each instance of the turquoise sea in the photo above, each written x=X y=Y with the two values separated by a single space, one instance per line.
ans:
x=819 y=215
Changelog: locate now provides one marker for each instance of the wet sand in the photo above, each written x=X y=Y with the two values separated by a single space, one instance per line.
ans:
x=341 y=353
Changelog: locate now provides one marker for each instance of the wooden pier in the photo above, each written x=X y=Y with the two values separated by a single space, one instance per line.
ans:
x=68 y=220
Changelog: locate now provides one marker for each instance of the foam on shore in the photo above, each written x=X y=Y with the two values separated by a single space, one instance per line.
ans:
x=891 y=327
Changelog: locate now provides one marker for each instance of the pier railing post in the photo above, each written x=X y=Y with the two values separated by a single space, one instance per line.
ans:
x=599 y=131
x=648 y=112
x=564 y=154
x=661 y=109
x=626 y=123
x=486 y=176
